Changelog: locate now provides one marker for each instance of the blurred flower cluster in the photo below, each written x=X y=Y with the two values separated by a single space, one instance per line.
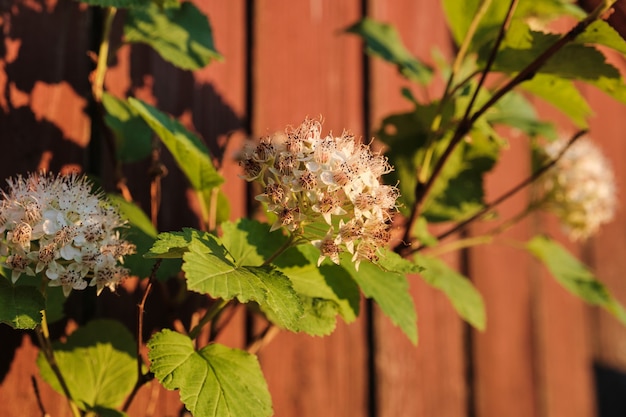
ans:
x=310 y=179
x=579 y=188
x=56 y=225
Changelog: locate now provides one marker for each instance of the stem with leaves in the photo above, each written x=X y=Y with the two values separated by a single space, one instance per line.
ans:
x=422 y=189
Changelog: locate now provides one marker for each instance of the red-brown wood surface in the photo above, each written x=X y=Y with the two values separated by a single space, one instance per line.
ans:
x=534 y=359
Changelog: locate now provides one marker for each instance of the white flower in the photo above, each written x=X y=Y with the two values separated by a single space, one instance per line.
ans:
x=58 y=228
x=579 y=188
x=308 y=179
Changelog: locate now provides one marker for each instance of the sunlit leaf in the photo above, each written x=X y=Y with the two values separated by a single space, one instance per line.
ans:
x=574 y=276
x=133 y=136
x=387 y=285
x=98 y=364
x=120 y=4
x=191 y=155
x=464 y=297
x=182 y=36
x=215 y=381
x=382 y=40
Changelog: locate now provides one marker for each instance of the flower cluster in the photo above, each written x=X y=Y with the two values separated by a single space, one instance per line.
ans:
x=311 y=179
x=56 y=225
x=579 y=188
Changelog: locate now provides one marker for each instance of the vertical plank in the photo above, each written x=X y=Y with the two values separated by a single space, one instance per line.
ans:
x=504 y=379
x=303 y=66
x=429 y=379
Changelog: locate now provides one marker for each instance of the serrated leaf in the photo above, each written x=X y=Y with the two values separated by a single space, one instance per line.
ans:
x=98 y=363
x=143 y=234
x=191 y=155
x=325 y=291
x=387 y=285
x=20 y=306
x=382 y=40
x=182 y=36
x=210 y=269
x=600 y=32
x=562 y=94
x=119 y=4
x=133 y=136
x=170 y=244
x=574 y=276
x=464 y=297
x=214 y=382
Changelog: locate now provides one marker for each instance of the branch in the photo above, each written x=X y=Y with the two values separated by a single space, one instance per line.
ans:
x=529 y=180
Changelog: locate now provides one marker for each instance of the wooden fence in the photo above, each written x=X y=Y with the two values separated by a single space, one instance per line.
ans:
x=285 y=60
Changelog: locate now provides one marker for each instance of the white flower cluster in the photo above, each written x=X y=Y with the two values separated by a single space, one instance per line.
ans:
x=308 y=179
x=56 y=225
x=579 y=188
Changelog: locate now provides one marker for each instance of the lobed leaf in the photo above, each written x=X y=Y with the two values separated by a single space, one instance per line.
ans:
x=20 y=306
x=191 y=155
x=182 y=36
x=382 y=40
x=464 y=297
x=98 y=363
x=573 y=275
x=214 y=382
x=210 y=269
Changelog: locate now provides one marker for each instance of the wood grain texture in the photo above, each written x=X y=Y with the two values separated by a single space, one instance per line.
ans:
x=302 y=66
x=428 y=379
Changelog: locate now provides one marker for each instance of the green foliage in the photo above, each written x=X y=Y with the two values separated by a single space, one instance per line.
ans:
x=182 y=36
x=98 y=363
x=464 y=297
x=191 y=155
x=20 y=306
x=143 y=234
x=133 y=136
x=214 y=382
x=382 y=40
x=120 y=4
x=574 y=276
x=387 y=284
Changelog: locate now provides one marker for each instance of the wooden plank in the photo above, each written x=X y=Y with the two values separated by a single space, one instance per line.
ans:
x=429 y=379
x=303 y=66
x=504 y=368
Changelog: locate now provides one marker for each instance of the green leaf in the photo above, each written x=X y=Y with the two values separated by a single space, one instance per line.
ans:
x=120 y=4
x=210 y=269
x=382 y=40
x=143 y=234
x=324 y=291
x=214 y=382
x=171 y=244
x=602 y=33
x=182 y=36
x=386 y=284
x=464 y=297
x=20 y=306
x=562 y=94
x=98 y=363
x=191 y=155
x=133 y=136
x=515 y=111
x=574 y=276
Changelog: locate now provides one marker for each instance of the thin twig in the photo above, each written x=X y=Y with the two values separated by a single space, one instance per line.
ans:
x=488 y=207
x=33 y=380
x=422 y=189
x=141 y=377
x=263 y=339
x=464 y=126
